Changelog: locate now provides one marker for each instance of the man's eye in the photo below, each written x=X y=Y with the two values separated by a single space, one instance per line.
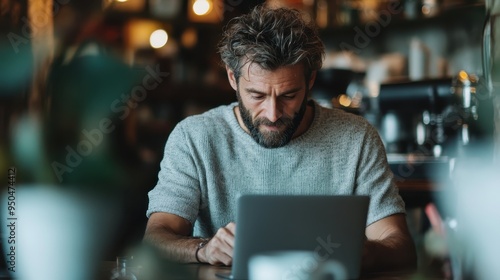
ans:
x=258 y=97
x=289 y=96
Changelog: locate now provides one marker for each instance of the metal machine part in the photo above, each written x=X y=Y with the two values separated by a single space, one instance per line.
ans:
x=434 y=117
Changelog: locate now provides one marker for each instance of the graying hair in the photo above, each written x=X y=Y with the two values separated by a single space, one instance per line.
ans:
x=272 y=38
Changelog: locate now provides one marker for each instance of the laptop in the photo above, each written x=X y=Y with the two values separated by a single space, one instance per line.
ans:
x=331 y=226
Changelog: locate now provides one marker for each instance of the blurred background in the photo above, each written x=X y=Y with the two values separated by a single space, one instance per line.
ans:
x=90 y=90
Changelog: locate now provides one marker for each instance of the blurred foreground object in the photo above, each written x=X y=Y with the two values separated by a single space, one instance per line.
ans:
x=472 y=202
x=491 y=62
x=59 y=234
x=472 y=197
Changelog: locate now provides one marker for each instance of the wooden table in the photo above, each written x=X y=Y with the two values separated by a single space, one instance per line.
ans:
x=168 y=271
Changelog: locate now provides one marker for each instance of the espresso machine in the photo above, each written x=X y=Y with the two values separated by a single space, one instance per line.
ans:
x=434 y=120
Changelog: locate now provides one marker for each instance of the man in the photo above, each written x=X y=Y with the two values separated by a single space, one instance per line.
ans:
x=273 y=141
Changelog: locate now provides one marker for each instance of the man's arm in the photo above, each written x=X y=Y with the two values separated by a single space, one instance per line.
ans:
x=172 y=235
x=389 y=245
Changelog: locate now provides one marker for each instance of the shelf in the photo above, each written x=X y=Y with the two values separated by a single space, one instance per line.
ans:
x=455 y=13
x=466 y=17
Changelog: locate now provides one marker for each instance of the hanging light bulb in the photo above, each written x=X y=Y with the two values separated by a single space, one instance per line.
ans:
x=201 y=7
x=158 y=38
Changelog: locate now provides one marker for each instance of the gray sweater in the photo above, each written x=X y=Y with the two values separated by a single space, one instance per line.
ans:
x=210 y=160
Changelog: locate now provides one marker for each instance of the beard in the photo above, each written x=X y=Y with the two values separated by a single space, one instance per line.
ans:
x=287 y=125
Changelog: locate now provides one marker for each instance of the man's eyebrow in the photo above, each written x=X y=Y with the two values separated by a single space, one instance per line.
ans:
x=293 y=90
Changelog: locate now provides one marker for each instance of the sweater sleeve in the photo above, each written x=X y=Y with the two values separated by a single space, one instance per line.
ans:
x=374 y=178
x=177 y=190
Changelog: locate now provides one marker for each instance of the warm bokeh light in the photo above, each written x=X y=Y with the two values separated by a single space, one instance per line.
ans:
x=121 y=0
x=189 y=38
x=201 y=7
x=463 y=75
x=344 y=100
x=158 y=38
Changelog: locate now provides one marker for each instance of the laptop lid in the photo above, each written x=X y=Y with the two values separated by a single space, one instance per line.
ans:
x=331 y=226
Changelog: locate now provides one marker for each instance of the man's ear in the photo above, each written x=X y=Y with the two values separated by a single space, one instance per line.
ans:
x=312 y=79
x=232 y=79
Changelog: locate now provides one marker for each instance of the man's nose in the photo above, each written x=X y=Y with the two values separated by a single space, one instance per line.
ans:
x=273 y=111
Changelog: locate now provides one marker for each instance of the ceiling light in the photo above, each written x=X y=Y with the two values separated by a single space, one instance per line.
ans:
x=158 y=38
x=201 y=7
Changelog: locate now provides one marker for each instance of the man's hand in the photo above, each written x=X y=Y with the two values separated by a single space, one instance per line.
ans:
x=173 y=236
x=219 y=250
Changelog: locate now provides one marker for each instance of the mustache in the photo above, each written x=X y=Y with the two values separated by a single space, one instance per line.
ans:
x=279 y=122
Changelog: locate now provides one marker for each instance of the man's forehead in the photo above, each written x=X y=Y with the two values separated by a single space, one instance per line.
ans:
x=250 y=70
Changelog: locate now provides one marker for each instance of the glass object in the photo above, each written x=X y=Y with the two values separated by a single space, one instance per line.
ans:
x=122 y=270
x=430 y=8
x=322 y=13
x=491 y=63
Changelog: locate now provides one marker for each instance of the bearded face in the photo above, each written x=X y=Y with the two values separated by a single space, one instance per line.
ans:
x=272 y=134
